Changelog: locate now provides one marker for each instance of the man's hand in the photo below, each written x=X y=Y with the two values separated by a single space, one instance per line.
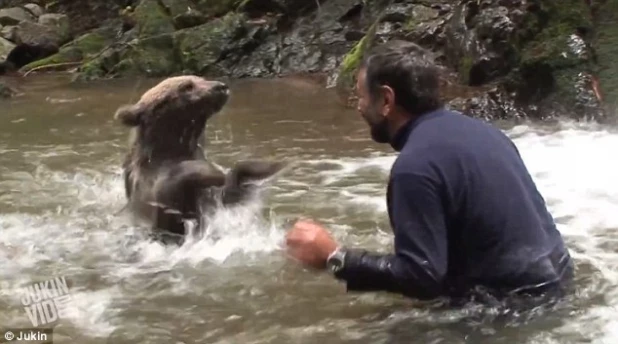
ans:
x=310 y=243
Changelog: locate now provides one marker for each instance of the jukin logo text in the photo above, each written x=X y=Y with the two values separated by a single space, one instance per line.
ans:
x=45 y=302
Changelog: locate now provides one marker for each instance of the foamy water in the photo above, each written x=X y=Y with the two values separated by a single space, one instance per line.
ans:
x=80 y=234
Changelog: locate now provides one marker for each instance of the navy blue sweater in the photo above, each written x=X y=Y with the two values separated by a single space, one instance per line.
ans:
x=465 y=213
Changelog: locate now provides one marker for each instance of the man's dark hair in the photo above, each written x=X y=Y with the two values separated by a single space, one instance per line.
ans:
x=409 y=70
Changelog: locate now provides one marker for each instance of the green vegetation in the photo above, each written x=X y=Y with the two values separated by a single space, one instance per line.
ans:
x=606 y=46
x=543 y=46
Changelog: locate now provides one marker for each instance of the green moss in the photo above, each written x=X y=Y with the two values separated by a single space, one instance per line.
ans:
x=606 y=45
x=542 y=43
x=352 y=60
x=83 y=48
x=545 y=32
x=201 y=46
x=153 y=56
x=191 y=50
x=152 y=19
x=465 y=65
x=89 y=71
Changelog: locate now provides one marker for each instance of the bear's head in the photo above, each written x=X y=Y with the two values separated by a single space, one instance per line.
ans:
x=171 y=116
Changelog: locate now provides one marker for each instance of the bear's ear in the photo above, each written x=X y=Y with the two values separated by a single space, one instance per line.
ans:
x=129 y=115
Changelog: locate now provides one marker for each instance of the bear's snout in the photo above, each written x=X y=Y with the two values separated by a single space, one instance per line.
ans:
x=220 y=87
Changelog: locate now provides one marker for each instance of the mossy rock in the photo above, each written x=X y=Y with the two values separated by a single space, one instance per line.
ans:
x=83 y=48
x=184 y=13
x=420 y=14
x=176 y=7
x=606 y=46
x=152 y=19
x=60 y=23
x=546 y=64
x=351 y=61
x=216 y=8
x=554 y=24
x=201 y=46
x=153 y=57
x=151 y=50
x=5 y=48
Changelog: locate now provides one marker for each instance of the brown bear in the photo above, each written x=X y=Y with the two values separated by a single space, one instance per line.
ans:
x=167 y=177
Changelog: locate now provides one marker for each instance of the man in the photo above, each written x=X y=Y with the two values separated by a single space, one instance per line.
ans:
x=465 y=212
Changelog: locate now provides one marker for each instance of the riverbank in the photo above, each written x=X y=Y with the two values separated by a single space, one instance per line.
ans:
x=524 y=59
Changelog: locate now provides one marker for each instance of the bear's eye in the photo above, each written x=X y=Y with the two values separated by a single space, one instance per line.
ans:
x=187 y=86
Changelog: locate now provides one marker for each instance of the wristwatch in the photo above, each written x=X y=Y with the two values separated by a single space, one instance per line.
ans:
x=336 y=260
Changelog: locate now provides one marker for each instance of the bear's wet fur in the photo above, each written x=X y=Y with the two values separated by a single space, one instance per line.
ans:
x=167 y=177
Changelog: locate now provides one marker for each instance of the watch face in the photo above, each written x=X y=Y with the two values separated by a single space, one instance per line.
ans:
x=335 y=263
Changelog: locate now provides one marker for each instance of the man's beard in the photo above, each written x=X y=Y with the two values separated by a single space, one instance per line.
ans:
x=379 y=130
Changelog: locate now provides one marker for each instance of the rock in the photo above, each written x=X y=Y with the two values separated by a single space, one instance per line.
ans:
x=477 y=42
x=35 y=9
x=85 y=16
x=316 y=43
x=147 y=49
x=429 y=34
x=184 y=13
x=5 y=47
x=14 y=16
x=35 y=34
x=203 y=46
x=289 y=8
x=60 y=24
x=263 y=61
x=489 y=104
x=215 y=8
x=521 y=58
x=189 y=19
x=151 y=19
x=8 y=32
x=83 y=48
x=6 y=91
x=52 y=29
x=24 y=53
x=154 y=56
x=235 y=46
x=422 y=23
x=553 y=60
x=534 y=53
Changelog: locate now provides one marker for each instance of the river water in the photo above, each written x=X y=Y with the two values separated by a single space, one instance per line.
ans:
x=61 y=197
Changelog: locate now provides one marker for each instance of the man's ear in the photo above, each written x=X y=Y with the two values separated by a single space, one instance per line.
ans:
x=388 y=98
x=129 y=115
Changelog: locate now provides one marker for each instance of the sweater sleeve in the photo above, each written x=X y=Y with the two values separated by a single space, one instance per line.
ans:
x=418 y=266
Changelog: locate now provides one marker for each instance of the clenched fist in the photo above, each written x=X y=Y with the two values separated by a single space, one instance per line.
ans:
x=310 y=243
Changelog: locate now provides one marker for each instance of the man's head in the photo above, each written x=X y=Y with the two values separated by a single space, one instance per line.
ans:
x=396 y=81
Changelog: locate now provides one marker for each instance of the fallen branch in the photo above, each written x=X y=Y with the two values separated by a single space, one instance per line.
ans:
x=50 y=66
